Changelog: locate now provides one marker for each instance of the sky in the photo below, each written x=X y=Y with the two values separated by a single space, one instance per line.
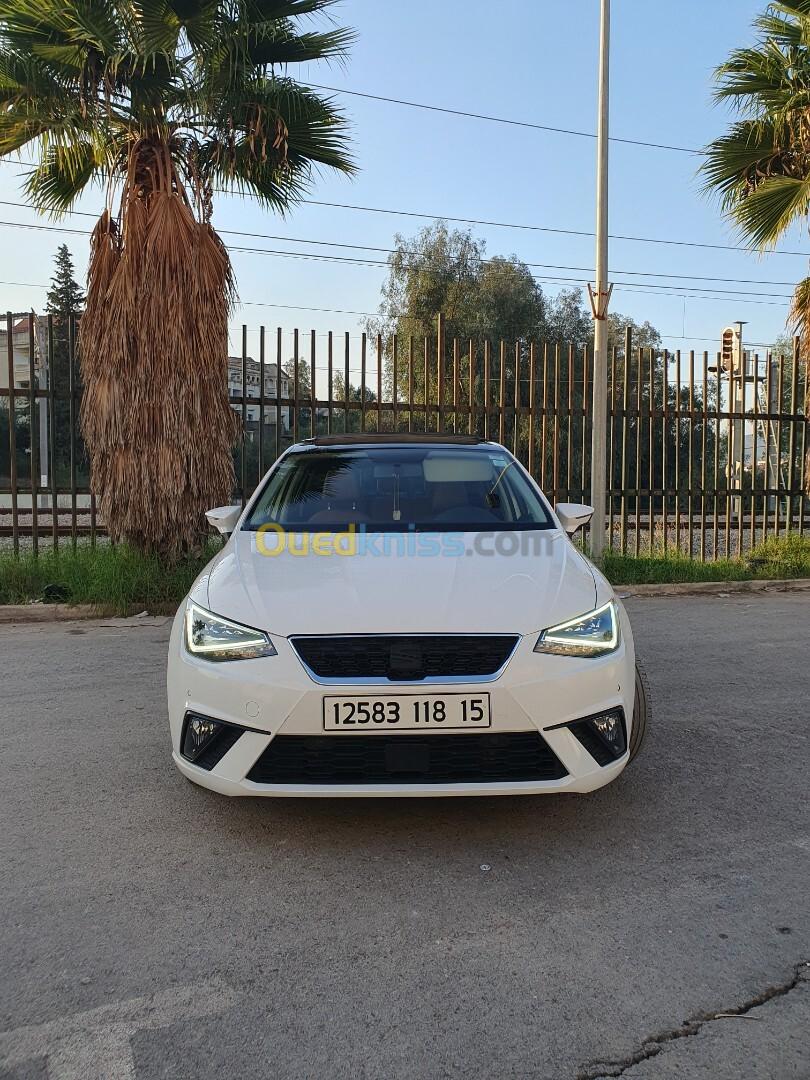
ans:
x=530 y=60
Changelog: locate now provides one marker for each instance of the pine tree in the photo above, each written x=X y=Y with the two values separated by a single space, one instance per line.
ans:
x=65 y=296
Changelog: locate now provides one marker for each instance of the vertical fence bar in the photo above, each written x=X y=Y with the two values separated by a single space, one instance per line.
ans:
x=261 y=404
x=780 y=394
x=379 y=345
x=295 y=386
x=639 y=396
x=689 y=456
x=487 y=385
x=346 y=380
x=12 y=435
x=755 y=453
x=363 y=391
x=532 y=399
x=243 y=459
x=555 y=434
x=456 y=363
x=440 y=347
x=586 y=398
x=279 y=378
x=716 y=499
x=52 y=438
x=329 y=381
x=651 y=416
x=313 y=384
x=502 y=394
x=628 y=347
x=427 y=383
x=768 y=438
x=664 y=455
x=517 y=397
x=805 y=464
x=791 y=475
x=33 y=461
x=731 y=470
x=411 y=365
x=704 y=438
x=72 y=392
x=746 y=497
x=544 y=421
x=678 y=451
x=394 y=382
x=570 y=424
x=472 y=427
x=611 y=468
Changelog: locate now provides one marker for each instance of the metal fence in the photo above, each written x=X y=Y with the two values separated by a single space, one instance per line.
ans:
x=703 y=458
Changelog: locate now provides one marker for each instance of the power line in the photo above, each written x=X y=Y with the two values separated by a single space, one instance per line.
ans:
x=419 y=254
x=665 y=290
x=514 y=225
x=500 y=119
x=549 y=229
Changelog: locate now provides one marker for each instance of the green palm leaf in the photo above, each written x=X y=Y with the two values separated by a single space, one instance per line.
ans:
x=760 y=168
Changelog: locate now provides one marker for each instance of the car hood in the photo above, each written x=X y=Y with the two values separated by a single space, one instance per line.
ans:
x=395 y=592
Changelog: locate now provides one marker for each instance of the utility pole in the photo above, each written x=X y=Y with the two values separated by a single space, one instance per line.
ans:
x=600 y=300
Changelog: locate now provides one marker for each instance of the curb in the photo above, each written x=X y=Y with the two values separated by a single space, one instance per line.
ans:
x=46 y=613
x=713 y=588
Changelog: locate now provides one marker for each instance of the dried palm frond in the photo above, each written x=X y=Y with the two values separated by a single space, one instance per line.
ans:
x=153 y=348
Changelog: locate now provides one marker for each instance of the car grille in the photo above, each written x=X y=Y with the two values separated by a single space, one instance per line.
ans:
x=511 y=757
x=404 y=657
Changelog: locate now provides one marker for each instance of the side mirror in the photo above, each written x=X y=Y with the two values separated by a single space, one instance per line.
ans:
x=573 y=516
x=224 y=518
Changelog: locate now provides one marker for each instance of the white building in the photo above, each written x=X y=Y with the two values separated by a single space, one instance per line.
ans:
x=20 y=345
x=252 y=370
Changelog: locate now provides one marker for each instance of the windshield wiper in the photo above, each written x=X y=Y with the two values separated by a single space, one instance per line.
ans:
x=493 y=500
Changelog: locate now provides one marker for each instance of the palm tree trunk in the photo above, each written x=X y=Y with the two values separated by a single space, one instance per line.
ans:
x=153 y=349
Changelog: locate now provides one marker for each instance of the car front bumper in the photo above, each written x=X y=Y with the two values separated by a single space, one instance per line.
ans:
x=276 y=696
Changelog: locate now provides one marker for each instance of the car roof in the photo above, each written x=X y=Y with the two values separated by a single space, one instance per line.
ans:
x=395 y=439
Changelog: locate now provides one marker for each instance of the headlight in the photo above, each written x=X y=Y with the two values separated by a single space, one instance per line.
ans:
x=214 y=638
x=593 y=634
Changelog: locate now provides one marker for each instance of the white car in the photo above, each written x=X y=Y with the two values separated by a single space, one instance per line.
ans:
x=402 y=615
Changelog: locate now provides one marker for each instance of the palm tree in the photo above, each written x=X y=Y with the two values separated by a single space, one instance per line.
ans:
x=761 y=167
x=163 y=104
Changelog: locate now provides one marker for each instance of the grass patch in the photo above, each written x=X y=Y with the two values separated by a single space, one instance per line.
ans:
x=120 y=579
x=116 y=579
x=786 y=557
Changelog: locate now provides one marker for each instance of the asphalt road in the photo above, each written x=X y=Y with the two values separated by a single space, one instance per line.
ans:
x=152 y=929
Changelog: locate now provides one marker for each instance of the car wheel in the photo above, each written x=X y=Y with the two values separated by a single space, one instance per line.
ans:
x=641 y=711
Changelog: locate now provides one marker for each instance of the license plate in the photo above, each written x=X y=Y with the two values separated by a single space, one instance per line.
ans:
x=407 y=712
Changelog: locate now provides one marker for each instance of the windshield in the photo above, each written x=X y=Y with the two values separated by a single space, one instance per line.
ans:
x=396 y=489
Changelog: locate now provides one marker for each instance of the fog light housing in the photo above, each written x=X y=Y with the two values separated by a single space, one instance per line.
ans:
x=604 y=735
x=200 y=732
x=205 y=741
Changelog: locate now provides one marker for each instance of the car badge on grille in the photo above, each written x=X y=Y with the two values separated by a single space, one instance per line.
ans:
x=405 y=661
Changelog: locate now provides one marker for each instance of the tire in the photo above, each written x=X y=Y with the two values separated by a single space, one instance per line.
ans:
x=641 y=711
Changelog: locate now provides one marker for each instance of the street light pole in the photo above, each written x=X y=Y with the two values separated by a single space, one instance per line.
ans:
x=600 y=300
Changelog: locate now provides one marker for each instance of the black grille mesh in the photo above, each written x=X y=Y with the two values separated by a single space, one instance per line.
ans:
x=405 y=657
x=407 y=759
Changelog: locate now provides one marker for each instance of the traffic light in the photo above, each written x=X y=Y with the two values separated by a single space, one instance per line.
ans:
x=730 y=349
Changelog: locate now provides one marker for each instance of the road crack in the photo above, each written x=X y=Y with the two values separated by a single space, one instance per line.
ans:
x=655 y=1044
